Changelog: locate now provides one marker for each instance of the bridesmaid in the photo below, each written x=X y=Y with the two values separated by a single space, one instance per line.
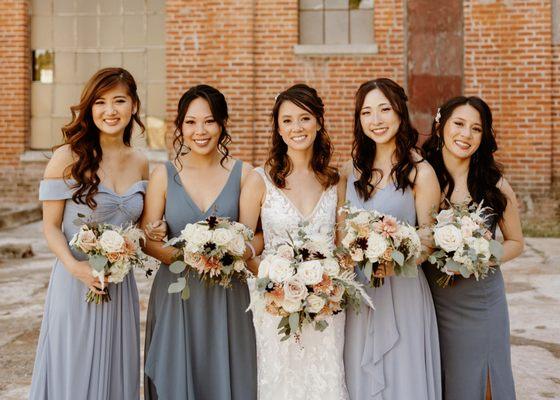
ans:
x=202 y=348
x=472 y=315
x=392 y=352
x=89 y=351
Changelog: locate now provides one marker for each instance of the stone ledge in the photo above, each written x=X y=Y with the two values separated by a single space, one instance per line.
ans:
x=335 y=49
x=15 y=216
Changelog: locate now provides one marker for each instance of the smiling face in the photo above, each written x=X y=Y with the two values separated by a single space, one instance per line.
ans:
x=201 y=132
x=462 y=132
x=380 y=122
x=297 y=126
x=113 y=110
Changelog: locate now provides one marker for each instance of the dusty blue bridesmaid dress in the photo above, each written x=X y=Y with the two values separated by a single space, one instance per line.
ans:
x=392 y=352
x=89 y=351
x=202 y=348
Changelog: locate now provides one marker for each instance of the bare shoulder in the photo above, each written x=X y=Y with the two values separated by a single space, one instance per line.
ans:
x=159 y=173
x=58 y=165
x=140 y=159
x=246 y=169
x=506 y=188
x=424 y=171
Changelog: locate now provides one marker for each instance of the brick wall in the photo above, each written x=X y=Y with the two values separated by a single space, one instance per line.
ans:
x=508 y=62
x=15 y=85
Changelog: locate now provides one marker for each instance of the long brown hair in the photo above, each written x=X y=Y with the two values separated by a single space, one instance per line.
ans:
x=364 y=148
x=279 y=163
x=82 y=135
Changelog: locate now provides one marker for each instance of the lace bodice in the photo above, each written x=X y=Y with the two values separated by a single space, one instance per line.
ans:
x=312 y=369
x=280 y=216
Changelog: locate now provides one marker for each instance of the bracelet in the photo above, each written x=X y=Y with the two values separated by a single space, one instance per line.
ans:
x=253 y=252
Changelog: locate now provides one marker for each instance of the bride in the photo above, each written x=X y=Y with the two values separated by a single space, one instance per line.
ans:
x=296 y=187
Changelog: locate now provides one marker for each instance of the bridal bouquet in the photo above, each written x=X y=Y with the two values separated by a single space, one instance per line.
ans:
x=371 y=239
x=213 y=249
x=112 y=252
x=303 y=282
x=463 y=243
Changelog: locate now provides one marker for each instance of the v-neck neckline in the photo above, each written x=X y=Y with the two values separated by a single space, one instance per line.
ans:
x=190 y=199
x=300 y=214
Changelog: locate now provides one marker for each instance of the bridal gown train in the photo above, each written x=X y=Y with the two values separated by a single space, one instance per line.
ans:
x=312 y=369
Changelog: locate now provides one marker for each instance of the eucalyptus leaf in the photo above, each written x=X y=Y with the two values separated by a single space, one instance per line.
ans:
x=283 y=322
x=368 y=270
x=177 y=267
x=262 y=283
x=178 y=286
x=398 y=257
x=321 y=325
x=98 y=262
x=453 y=266
x=294 y=322
x=186 y=293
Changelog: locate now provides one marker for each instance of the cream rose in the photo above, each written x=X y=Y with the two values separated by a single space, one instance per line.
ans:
x=448 y=238
x=237 y=245
x=280 y=269
x=361 y=219
x=111 y=242
x=221 y=236
x=310 y=272
x=291 y=306
x=376 y=246
x=86 y=240
x=285 y=251
x=314 y=303
x=200 y=236
x=330 y=266
x=294 y=289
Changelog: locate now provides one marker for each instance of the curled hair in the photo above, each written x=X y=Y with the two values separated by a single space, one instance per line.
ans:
x=278 y=163
x=364 y=149
x=82 y=135
x=484 y=171
x=219 y=108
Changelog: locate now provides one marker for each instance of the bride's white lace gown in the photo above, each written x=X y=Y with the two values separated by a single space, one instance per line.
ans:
x=314 y=368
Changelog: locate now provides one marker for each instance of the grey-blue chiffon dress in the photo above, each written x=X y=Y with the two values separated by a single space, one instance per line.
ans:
x=392 y=352
x=202 y=348
x=473 y=326
x=89 y=351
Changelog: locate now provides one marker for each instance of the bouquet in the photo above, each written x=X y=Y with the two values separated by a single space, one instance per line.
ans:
x=463 y=243
x=212 y=248
x=371 y=239
x=302 y=282
x=112 y=251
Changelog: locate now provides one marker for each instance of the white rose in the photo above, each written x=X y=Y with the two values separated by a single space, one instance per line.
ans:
x=448 y=238
x=280 y=269
x=330 y=266
x=237 y=245
x=285 y=251
x=376 y=246
x=314 y=303
x=291 y=306
x=294 y=289
x=310 y=272
x=445 y=217
x=111 y=242
x=189 y=231
x=481 y=246
x=361 y=219
x=200 y=236
x=239 y=266
x=221 y=236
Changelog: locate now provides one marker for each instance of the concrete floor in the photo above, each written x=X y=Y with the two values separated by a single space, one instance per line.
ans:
x=533 y=291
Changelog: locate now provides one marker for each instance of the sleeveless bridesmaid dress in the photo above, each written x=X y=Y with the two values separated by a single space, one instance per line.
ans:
x=89 y=351
x=473 y=326
x=202 y=348
x=392 y=352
